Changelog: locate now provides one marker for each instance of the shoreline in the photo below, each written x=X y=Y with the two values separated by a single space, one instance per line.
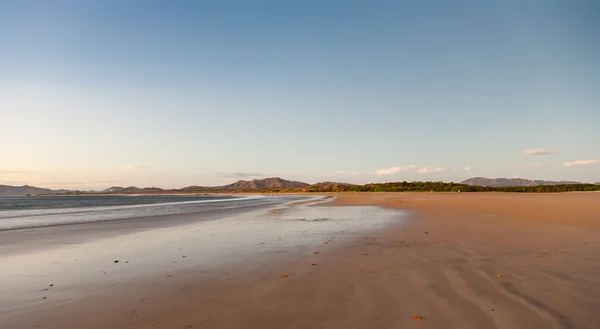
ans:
x=54 y=235
x=476 y=260
x=103 y=213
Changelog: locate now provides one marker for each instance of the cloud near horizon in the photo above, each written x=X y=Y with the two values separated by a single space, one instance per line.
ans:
x=581 y=163
x=134 y=167
x=541 y=151
x=347 y=173
x=240 y=175
x=461 y=169
x=408 y=168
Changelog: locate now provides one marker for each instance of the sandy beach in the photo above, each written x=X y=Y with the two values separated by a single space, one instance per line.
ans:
x=481 y=260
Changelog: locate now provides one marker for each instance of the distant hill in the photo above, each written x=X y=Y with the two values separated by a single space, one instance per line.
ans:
x=195 y=188
x=266 y=183
x=26 y=189
x=255 y=184
x=504 y=182
x=274 y=183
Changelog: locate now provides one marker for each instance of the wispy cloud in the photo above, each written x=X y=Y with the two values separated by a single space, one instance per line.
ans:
x=528 y=165
x=347 y=173
x=408 y=168
x=541 y=151
x=134 y=167
x=461 y=169
x=425 y=170
x=240 y=175
x=581 y=163
x=395 y=170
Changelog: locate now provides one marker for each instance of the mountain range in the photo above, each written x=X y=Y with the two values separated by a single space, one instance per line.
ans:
x=504 y=182
x=274 y=183
x=241 y=185
x=26 y=189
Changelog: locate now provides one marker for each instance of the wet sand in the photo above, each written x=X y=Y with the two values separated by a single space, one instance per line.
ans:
x=485 y=260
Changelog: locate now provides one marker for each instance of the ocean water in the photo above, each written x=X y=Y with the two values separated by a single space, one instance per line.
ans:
x=29 y=212
x=75 y=201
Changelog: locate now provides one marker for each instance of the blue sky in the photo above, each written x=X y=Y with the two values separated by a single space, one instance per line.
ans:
x=175 y=93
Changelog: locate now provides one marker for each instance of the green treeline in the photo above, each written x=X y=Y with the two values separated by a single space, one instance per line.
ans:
x=449 y=187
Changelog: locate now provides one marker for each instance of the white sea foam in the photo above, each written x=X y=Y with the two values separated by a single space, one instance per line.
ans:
x=29 y=218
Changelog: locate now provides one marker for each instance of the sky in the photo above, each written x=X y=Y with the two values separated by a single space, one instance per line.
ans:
x=175 y=93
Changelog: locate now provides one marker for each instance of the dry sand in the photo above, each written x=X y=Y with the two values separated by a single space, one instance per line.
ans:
x=485 y=260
